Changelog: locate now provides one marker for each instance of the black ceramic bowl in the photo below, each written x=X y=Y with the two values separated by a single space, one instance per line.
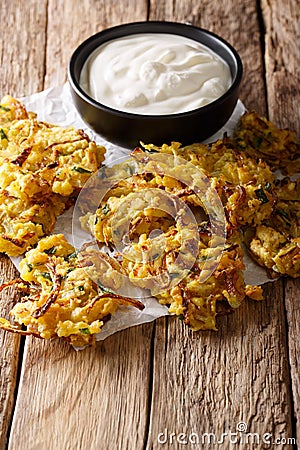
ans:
x=128 y=129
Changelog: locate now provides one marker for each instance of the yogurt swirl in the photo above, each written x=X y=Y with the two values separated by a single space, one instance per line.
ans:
x=155 y=73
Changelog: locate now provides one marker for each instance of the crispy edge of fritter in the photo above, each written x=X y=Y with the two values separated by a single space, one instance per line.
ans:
x=260 y=138
x=50 y=253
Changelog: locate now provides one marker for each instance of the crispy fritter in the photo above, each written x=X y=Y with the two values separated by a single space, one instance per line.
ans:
x=59 y=298
x=171 y=263
x=161 y=189
x=260 y=138
x=247 y=184
x=145 y=215
x=197 y=302
x=276 y=252
x=42 y=169
x=275 y=244
x=12 y=109
x=274 y=241
x=286 y=215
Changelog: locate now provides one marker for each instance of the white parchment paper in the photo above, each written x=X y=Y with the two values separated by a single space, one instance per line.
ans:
x=55 y=105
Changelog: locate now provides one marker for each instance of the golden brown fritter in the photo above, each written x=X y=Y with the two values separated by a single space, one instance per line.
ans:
x=172 y=263
x=59 y=298
x=247 y=185
x=275 y=244
x=260 y=138
x=271 y=249
x=12 y=109
x=198 y=302
x=42 y=169
x=174 y=216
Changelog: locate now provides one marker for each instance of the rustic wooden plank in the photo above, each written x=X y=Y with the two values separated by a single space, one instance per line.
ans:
x=201 y=375
x=9 y=352
x=93 y=399
x=21 y=69
x=292 y=296
x=282 y=25
x=69 y=23
x=22 y=55
x=212 y=381
x=97 y=398
x=282 y=55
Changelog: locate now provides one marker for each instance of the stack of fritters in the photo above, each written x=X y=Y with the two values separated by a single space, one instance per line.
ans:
x=175 y=217
x=255 y=204
x=42 y=169
x=275 y=243
x=260 y=138
x=59 y=299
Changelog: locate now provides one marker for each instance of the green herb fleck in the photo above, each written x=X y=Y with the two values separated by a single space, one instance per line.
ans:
x=81 y=170
x=2 y=134
x=174 y=275
x=30 y=268
x=267 y=186
x=73 y=255
x=67 y=272
x=257 y=141
x=104 y=289
x=130 y=169
x=260 y=194
x=181 y=317
x=46 y=275
x=4 y=108
x=105 y=209
x=203 y=257
x=81 y=288
x=84 y=330
x=50 y=251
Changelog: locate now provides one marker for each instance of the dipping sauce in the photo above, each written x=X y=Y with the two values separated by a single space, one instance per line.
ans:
x=155 y=73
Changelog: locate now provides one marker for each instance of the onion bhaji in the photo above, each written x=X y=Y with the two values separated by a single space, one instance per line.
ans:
x=247 y=184
x=42 y=169
x=253 y=200
x=260 y=138
x=275 y=244
x=58 y=298
x=143 y=217
x=122 y=212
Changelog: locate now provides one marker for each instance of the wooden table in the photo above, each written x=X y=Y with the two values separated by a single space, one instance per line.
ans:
x=158 y=377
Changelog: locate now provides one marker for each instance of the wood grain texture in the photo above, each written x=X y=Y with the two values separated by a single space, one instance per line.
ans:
x=212 y=381
x=282 y=62
x=292 y=297
x=138 y=383
x=282 y=55
x=71 y=22
x=22 y=46
x=93 y=399
x=9 y=352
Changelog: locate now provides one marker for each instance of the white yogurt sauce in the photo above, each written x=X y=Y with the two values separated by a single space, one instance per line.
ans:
x=155 y=73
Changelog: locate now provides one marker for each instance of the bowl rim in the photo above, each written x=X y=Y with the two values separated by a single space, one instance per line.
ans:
x=156 y=23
